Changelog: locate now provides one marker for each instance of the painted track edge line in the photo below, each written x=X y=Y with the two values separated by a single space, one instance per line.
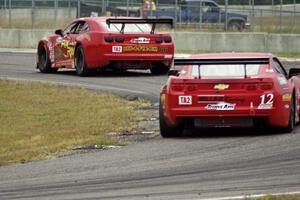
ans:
x=249 y=196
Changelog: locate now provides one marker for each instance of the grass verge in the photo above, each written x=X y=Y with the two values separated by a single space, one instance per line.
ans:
x=276 y=197
x=37 y=120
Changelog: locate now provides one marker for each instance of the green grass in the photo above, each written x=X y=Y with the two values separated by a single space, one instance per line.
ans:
x=37 y=120
x=277 y=197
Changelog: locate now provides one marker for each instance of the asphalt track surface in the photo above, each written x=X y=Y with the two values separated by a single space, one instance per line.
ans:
x=202 y=164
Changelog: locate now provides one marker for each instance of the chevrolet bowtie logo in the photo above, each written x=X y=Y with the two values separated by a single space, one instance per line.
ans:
x=221 y=86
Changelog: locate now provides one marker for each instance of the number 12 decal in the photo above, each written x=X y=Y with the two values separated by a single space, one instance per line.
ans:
x=266 y=101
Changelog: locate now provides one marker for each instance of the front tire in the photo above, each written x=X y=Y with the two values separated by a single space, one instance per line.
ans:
x=44 y=64
x=167 y=131
x=80 y=62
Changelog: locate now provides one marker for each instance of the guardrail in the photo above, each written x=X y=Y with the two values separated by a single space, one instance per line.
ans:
x=184 y=41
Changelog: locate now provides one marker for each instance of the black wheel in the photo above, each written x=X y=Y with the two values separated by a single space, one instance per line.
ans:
x=80 y=63
x=291 y=124
x=235 y=26
x=159 y=69
x=44 y=64
x=167 y=131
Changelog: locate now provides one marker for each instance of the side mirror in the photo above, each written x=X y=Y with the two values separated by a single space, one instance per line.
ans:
x=59 y=32
x=294 y=72
x=173 y=72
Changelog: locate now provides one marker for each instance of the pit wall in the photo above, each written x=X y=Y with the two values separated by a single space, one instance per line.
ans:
x=184 y=41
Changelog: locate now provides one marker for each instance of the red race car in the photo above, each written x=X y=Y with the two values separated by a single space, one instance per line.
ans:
x=101 y=42
x=229 y=90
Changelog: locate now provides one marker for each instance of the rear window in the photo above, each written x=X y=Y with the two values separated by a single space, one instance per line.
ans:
x=129 y=28
x=232 y=70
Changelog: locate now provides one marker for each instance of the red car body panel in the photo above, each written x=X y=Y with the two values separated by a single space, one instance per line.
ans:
x=99 y=53
x=224 y=101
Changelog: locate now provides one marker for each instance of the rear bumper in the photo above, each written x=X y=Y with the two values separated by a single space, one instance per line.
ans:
x=278 y=117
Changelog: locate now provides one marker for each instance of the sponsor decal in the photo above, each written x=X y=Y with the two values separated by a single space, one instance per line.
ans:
x=185 y=100
x=221 y=86
x=286 y=97
x=117 y=49
x=266 y=101
x=163 y=49
x=140 y=40
x=282 y=80
x=220 y=106
x=140 y=48
x=270 y=70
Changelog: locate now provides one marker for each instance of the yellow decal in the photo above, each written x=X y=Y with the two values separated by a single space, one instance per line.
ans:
x=70 y=51
x=286 y=97
x=140 y=48
x=221 y=86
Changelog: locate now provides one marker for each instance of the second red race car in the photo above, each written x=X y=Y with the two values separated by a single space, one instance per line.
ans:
x=101 y=42
x=229 y=90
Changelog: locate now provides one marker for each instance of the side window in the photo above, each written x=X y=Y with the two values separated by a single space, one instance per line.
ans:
x=278 y=67
x=79 y=27
x=208 y=7
x=70 y=29
x=85 y=28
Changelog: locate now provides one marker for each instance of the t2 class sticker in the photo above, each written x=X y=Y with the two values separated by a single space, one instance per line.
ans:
x=185 y=100
x=266 y=101
x=117 y=49
x=220 y=106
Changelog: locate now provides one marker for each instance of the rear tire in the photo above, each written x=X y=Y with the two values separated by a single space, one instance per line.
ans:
x=235 y=26
x=159 y=69
x=44 y=64
x=291 y=124
x=167 y=131
x=80 y=62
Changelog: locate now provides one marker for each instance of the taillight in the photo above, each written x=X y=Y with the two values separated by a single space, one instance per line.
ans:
x=168 y=39
x=108 y=39
x=251 y=87
x=266 y=86
x=191 y=88
x=158 y=40
x=119 y=39
x=178 y=88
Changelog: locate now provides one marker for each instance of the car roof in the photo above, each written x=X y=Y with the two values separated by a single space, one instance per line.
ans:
x=232 y=55
x=102 y=19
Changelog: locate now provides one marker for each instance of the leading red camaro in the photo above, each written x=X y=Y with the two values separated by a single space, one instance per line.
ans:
x=102 y=42
x=229 y=90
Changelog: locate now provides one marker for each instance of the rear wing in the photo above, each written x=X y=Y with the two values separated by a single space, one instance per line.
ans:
x=208 y=61
x=110 y=21
x=205 y=61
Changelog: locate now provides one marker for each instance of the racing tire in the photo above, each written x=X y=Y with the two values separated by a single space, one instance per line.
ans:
x=167 y=131
x=80 y=62
x=291 y=124
x=159 y=69
x=44 y=64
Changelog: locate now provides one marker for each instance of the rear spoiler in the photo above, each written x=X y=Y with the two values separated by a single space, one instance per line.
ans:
x=110 y=21
x=205 y=61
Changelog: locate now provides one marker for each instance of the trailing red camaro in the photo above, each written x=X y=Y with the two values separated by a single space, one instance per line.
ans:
x=229 y=90
x=101 y=42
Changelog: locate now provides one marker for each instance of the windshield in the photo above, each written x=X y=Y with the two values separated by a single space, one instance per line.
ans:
x=129 y=28
x=228 y=70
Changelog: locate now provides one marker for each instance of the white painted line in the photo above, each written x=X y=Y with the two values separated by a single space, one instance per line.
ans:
x=250 y=196
x=12 y=50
